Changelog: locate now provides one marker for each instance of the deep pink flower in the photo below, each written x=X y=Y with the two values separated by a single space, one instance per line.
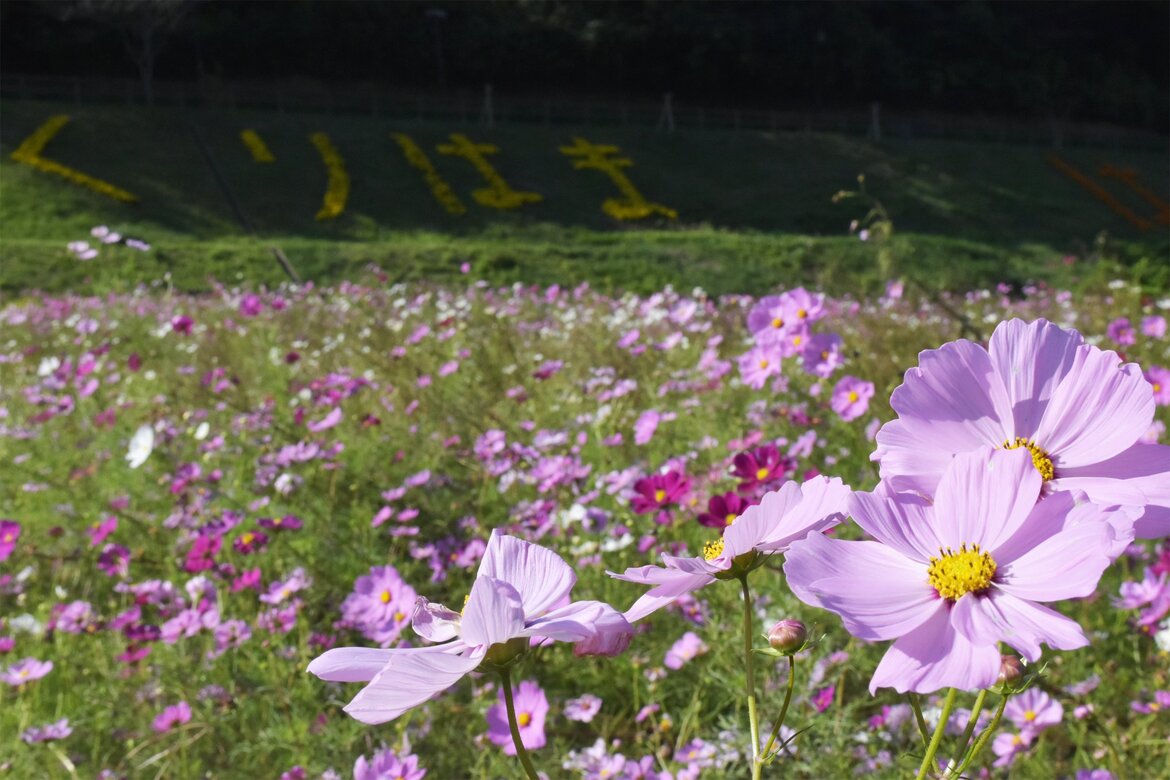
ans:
x=99 y=532
x=521 y=591
x=250 y=542
x=9 y=533
x=174 y=715
x=781 y=517
x=286 y=523
x=659 y=491
x=1078 y=411
x=761 y=466
x=950 y=580
x=251 y=305
x=723 y=509
x=114 y=560
x=182 y=324
x=531 y=708
x=850 y=397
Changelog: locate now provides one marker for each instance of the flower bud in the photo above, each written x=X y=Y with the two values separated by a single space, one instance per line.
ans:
x=787 y=636
x=1010 y=670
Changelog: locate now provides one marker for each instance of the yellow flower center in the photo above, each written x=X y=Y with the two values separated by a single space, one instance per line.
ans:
x=276 y=520
x=1030 y=715
x=825 y=355
x=23 y=673
x=959 y=572
x=777 y=323
x=761 y=473
x=399 y=617
x=731 y=517
x=1157 y=387
x=1040 y=458
x=801 y=313
x=713 y=549
x=659 y=495
x=853 y=396
x=796 y=342
x=523 y=719
x=1017 y=739
x=248 y=538
x=385 y=597
x=763 y=364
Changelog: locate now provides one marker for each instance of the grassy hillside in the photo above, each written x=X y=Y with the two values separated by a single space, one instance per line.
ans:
x=752 y=206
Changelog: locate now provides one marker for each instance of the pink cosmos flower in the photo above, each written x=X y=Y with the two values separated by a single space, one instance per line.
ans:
x=25 y=671
x=688 y=647
x=531 y=709
x=722 y=510
x=9 y=533
x=1033 y=711
x=1154 y=326
x=760 y=466
x=174 y=715
x=1121 y=332
x=182 y=324
x=949 y=581
x=850 y=397
x=1007 y=746
x=645 y=426
x=48 y=733
x=781 y=517
x=659 y=491
x=1078 y=412
x=387 y=765
x=1159 y=379
x=521 y=591
x=380 y=605
x=821 y=355
x=99 y=532
x=583 y=709
x=760 y=364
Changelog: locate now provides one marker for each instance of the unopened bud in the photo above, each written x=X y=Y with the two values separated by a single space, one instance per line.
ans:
x=1010 y=670
x=787 y=636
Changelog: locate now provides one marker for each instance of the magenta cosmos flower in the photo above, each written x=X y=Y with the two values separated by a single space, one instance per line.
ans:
x=780 y=518
x=1076 y=409
x=521 y=593
x=949 y=581
x=9 y=533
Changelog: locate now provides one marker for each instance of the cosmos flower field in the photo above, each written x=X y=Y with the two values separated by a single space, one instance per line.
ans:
x=203 y=495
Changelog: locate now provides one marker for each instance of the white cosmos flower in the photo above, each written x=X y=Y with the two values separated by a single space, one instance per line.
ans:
x=140 y=446
x=202 y=431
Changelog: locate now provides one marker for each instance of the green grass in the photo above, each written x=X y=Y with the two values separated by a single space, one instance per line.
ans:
x=754 y=208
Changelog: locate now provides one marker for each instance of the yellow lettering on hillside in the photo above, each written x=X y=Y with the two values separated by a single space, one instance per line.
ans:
x=439 y=187
x=632 y=205
x=337 y=190
x=29 y=153
x=498 y=194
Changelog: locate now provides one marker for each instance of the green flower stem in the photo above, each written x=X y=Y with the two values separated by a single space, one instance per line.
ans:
x=921 y=721
x=985 y=737
x=521 y=752
x=965 y=739
x=749 y=661
x=932 y=748
x=784 y=709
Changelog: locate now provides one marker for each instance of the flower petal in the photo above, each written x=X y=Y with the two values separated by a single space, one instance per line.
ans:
x=1031 y=360
x=985 y=497
x=1067 y=565
x=494 y=613
x=903 y=521
x=408 y=680
x=877 y=591
x=433 y=621
x=669 y=584
x=350 y=664
x=909 y=463
x=1101 y=409
x=935 y=656
x=542 y=577
x=999 y=616
x=574 y=623
x=820 y=505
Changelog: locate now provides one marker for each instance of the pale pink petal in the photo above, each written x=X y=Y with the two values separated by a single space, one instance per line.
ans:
x=1049 y=517
x=1067 y=565
x=494 y=613
x=669 y=584
x=574 y=623
x=903 y=521
x=1100 y=410
x=878 y=592
x=1031 y=359
x=433 y=621
x=936 y=656
x=350 y=664
x=1142 y=469
x=954 y=399
x=408 y=680
x=1021 y=624
x=821 y=505
x=751 y=527
x=909 y=463
x=985 y=497
x=1153 y=524
x=541 y=576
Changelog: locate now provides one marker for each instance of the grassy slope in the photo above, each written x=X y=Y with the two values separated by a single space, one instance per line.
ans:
x=754 y=208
